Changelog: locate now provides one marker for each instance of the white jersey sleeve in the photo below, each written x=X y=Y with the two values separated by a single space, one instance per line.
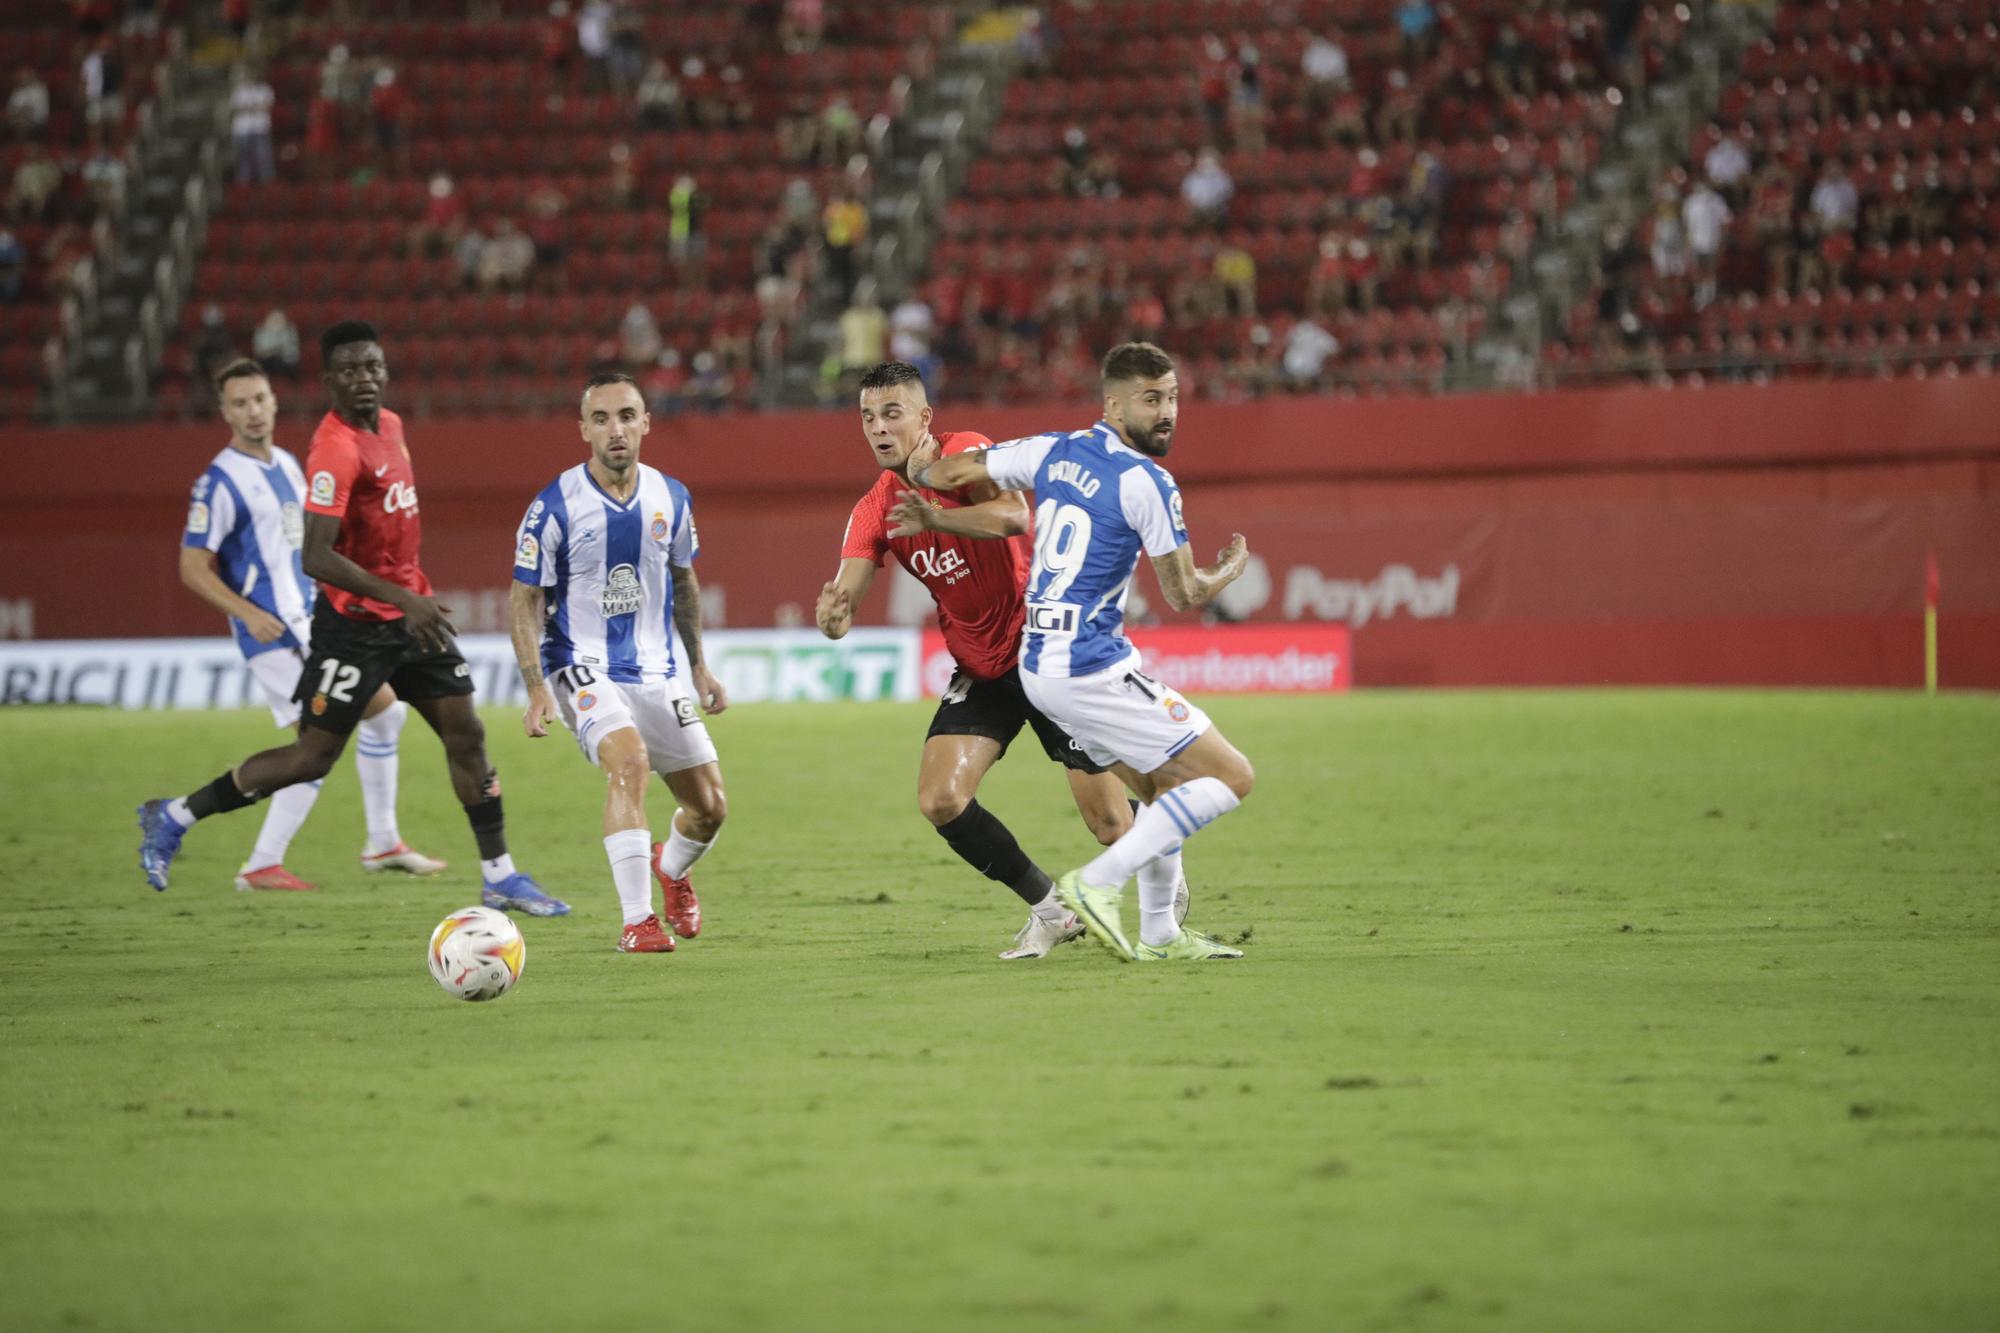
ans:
x=537 y=546
x=686 y=543
x=1013 y=465
x=211 y=514
x=1152 y=505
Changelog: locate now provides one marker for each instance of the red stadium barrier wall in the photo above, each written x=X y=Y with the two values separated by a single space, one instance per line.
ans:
x=1767 y=535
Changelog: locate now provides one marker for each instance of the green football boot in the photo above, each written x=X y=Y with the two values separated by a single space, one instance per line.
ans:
x=1098 y=909
x=1190 y=944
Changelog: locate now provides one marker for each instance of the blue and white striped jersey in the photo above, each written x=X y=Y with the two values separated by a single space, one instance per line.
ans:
x=605 y=564
x=248 y=513
x=1098 y=503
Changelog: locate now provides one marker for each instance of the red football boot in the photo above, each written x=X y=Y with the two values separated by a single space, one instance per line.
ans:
x=647 y=936
x=682 y=909
x=272 y=877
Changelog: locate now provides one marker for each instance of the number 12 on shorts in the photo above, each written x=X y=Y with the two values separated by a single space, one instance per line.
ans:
x=337 y=681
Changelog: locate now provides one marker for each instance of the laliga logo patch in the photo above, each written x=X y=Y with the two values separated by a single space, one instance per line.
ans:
x=586 y=701
x=1174 y=510
x=319 y=705
x=530 y=553
x=322 y=488
x=1176 y=710
x=197 y=518
x=659 y=527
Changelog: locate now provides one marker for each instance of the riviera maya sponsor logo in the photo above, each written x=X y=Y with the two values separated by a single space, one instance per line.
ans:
x=622 y=593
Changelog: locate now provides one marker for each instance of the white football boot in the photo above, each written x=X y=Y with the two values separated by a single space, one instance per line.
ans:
x=1039 y=936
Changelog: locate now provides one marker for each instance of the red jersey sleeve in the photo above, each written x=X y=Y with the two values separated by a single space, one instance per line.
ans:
x=330 y=467
x=867 y=534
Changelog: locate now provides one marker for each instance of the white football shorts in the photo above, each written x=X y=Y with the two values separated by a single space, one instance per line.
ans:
x=1119 y=714
x=277 y=671
x=664 y=712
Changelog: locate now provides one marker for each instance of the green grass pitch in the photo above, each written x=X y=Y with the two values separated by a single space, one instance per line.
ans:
x=1561 y=1011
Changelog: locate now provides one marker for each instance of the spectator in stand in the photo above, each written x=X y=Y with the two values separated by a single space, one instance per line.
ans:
x=1207 y=189
x=388 y=113
x=213 y=349
x=1416 y=26
x=687 y=204
x=593 y=40
x=28 y=105
x=1771 y=220
x=275 y=343
x=1145 y=316
x=803 y=25
x=1835 y=202
x=1421 y=207
x=1072 y=157
x=1668 y=240
x=839 y=131
x=508 y=259
x=1401 y=107
x=626 y=63
x=443 y=222
x=665 y=384
x=104 y=177
x=1705 y=216
x=1236 y=272
x=912 y=326
x=1836 y=251
x=1326 y=71
x=1308 y=347
x=557 y=40
x=622 y=182
x=1214 y=76
x=1511 y=66
x=713 y=386
x=1516 y=240
x=250 y=103
x=1347 y=122
x=547 y=232
x=1364 y=271
x=36 y=181
x=739 y=107
x=1727 y=163
x=639 y=341
x=322 y=139
x=798 y=133
x=843 y=231
x=103 y=79
x=469 y=256
x=13 y=266
x=1195 y=295
x=659 y=98
x=1248 y=114
x=1326 y=290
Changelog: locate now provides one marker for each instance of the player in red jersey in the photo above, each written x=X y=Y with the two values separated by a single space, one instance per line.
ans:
x=974 y=560
x=375 y=623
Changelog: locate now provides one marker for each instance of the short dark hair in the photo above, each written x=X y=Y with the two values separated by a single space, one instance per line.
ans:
x=889 y=374
x=241 y=368
x=343 y=333
x=1136 y=361
x=601 y=378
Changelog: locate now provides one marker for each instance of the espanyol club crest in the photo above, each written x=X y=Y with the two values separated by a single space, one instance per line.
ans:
x=1177 y=710
x=659 y=527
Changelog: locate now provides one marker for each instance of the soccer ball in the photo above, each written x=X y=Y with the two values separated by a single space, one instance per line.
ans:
x=477 y=953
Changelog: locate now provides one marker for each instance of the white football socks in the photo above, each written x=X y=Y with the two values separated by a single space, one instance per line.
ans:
x=1172 y=817
x=499 y=868
x=1050 y=909
x=177 y=810
x=1159 y=879
x=375 y=760
x=679 y=852
x=287 y=811
x=629 y=850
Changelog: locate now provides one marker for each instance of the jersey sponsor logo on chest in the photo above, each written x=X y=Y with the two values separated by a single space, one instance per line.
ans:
x=623 y=593
x=947 y=565
x=401 y=497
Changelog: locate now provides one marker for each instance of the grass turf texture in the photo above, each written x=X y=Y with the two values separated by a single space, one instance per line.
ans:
x=1560 y=1011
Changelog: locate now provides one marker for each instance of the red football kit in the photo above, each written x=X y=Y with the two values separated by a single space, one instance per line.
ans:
x=364 y=479
x=977 y=581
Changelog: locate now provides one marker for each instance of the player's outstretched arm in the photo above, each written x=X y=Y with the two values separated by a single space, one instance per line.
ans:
x=991 y=512
x=1186 y=587
x=834 y=612
x=953 y=473
x=198 y=573
x=525 y=605
x=429 y=622
x=687 y=620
